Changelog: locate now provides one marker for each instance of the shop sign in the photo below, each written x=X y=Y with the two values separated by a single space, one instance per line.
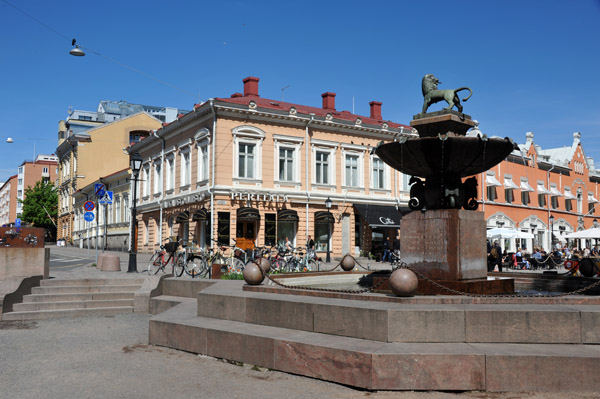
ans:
x=385 y=220
x=188 y=199
x=259 y=197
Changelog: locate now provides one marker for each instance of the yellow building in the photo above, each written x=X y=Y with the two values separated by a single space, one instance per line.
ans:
x=86 y=156
x=257 y=171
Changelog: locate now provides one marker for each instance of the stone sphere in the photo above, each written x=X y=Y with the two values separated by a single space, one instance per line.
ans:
x=404 y=282
x=253 y=274
x=264 y=264
x=348 y=263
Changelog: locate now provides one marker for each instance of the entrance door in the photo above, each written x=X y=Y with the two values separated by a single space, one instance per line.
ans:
x=246 y=234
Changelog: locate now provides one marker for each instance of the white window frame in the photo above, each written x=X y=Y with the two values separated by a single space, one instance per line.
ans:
x=158 y=176
x=185 y=178
x=288 y=143
x=118 y=209
x=248 y=135
x=203 y=140
x=329 y=147
x=386 y=174
x=170 y=165
x=353 y=150
x=146 y=179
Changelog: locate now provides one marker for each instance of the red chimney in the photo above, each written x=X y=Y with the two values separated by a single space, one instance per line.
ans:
x=251 y=86
x=375 y=110
x=328 y=100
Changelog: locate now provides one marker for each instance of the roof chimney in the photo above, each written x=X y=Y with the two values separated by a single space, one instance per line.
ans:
x=328 y=100
x=375 y=110
x=576 y=138
x=251 y=86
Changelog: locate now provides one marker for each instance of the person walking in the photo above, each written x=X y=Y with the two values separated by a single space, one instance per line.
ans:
x=386 y=250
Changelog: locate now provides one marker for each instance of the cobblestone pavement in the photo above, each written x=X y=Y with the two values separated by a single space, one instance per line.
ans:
x=109 y=357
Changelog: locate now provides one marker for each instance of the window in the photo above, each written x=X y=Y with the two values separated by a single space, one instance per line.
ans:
x=45 y=170
x=203 y=163
x=554 y=202
x=286 y=164
x=270 y=228
x=185 y=168
x=126 y=207
x=351 y=174
x=118 y=209
x=170 y=176
x=579 y=201
x=223 y=228
x=322 y=168
x=568 y=205
x=541 y=200
x=378 y=180
x=491 y=193
x=405 y=182
x=157 y=177
x=247 y=146
x=246 y=161
x=146 y=181
x=508 y=195
x=321 y=236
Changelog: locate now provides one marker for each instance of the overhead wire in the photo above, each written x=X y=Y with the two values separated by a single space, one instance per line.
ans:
x=101 y=55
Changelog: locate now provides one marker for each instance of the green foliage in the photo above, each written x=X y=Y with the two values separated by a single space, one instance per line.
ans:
x=232 y=276
x=40 y=200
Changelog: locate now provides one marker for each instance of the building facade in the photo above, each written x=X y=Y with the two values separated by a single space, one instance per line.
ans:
x=546 y=192
x=8 y=204
x=254 y=171
x=86 y=156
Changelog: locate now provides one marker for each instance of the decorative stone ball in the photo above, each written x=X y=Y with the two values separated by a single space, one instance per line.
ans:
x=253 y=274
x=348 y=263
x=404 y=282
x=264 y=264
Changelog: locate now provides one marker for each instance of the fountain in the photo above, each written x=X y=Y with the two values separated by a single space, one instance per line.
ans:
x=446 y=240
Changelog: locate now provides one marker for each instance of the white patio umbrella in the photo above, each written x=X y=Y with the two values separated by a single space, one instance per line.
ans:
x=504 y=233
x=583 y=234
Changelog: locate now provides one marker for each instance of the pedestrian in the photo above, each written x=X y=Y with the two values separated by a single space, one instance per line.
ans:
x=386 y=250
x=310 y=247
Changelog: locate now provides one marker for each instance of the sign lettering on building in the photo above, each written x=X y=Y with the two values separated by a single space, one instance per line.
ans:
x=259 y=197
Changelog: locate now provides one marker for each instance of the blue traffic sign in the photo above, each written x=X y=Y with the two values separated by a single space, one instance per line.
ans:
x=107 y=198
x=89 y=206
x=18 y=223
x=99 y=189
x=88 y=216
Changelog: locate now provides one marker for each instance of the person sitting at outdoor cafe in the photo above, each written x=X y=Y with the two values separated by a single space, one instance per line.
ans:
x=586 y=252
x=595 y=251
x=537 y=255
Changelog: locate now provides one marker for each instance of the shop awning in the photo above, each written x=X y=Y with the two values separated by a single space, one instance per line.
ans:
x=541 y=189
x=200 y=215
x=248 y=214
x=592 y=199
x=568 y=195
x=555 y=193
x=509 y=184
x=526 y=187
x=379 y=215
x=492 y=182
x=287 y=215
x=182 y=217
x=324 y=217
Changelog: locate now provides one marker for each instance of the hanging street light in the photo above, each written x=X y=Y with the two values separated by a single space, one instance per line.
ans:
x=76 y=51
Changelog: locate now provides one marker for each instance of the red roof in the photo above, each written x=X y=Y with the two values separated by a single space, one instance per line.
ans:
x=304 y=109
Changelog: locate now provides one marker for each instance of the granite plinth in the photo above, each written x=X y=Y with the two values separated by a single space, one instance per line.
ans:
x=478 y=286
x=445 y=244
x=442 y=122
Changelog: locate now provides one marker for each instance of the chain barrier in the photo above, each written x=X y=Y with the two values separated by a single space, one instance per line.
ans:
x=399 y=264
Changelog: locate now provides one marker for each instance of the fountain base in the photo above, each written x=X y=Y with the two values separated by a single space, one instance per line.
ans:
x=448 y=245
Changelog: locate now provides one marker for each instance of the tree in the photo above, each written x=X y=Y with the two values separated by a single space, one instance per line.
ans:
x=40 y=201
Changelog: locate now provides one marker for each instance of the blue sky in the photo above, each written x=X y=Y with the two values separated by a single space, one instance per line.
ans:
x=532 y=65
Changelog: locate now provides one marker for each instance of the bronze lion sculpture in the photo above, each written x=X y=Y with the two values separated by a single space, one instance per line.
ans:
x=432 y=95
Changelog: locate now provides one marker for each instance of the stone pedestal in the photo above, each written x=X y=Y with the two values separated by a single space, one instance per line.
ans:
x=441 y=122
x=445 y=244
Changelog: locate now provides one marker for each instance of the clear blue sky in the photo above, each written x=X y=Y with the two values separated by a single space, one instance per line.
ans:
x=532 y=65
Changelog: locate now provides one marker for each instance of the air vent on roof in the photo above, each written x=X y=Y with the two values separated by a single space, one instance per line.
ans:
x=274 y=103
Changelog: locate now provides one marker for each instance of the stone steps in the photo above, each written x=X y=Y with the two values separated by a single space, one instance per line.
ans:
x=77 y=297
x=378 y=365
x=387 y=343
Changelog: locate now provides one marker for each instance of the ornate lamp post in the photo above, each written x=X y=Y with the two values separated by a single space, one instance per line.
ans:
x=135 y=164
x=328 y=206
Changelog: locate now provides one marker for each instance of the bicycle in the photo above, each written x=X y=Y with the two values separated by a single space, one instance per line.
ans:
x=195 y=264
x=158 y=262
x=234 y=260
x=301 y=261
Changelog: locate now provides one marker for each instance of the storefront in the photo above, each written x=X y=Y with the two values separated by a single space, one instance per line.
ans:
x=375 y=223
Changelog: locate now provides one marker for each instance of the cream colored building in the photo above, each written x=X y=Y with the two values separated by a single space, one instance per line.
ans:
x=86 y=156
x=257 y=171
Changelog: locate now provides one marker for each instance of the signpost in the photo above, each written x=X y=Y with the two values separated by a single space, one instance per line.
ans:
x=106 y=198
x=99 y=189
x=89 y=216
x=89 y=206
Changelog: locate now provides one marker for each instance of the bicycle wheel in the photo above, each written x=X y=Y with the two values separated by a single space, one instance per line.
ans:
x=178 y=266
x=155 y=264
x=194 y=266
x=204 y=269
x=235 y=265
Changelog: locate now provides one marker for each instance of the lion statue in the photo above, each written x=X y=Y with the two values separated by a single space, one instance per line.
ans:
x=432 y=95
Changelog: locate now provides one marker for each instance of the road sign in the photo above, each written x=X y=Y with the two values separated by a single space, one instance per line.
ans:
x=88 y=216
x=107 y=198
x=18 y=223
x=89 y=206
x=99 y=189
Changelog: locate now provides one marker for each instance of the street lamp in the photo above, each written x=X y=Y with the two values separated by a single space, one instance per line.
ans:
x=551 y=218
x=135 y=164
x=328 y=206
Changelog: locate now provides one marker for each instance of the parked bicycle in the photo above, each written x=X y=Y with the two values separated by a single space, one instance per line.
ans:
x=301 y=261
x=159 y=259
